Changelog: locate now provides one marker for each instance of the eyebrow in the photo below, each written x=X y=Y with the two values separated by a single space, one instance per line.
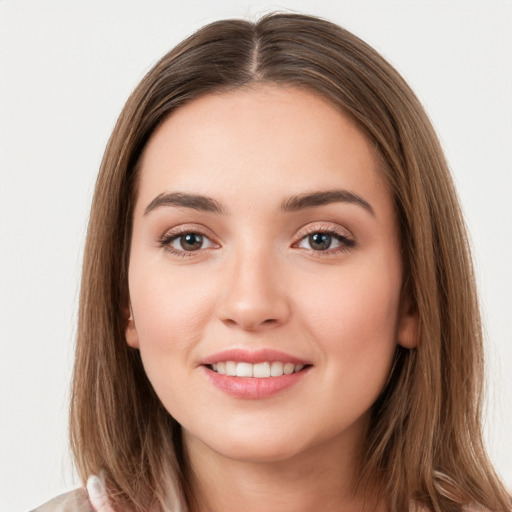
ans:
x=292 y=204
x=314 y=199
x=194 y=201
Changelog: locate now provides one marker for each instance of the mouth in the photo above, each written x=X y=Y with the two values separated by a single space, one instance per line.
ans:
x=256 y=374
x=261 y=370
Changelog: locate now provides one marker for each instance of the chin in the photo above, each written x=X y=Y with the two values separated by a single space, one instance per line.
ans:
x=261 y=455
x=263 y=452
x=247 y=446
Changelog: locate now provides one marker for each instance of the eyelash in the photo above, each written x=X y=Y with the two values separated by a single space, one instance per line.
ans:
x=346 y=242
x=175 y=234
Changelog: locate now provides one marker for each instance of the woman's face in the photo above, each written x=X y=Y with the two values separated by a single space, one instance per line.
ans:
x=265 y=242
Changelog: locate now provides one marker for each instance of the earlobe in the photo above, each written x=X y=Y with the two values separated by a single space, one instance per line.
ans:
x=408 y=328
x=130 y=333
x=408 y=331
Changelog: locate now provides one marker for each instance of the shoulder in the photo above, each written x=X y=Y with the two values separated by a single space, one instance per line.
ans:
x=74 y=501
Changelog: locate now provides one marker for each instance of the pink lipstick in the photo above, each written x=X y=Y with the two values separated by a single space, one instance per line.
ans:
x=254 y=374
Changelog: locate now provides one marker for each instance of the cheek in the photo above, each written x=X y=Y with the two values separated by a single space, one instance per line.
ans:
x=358 y=342
x=353 y=316
x=170 y=312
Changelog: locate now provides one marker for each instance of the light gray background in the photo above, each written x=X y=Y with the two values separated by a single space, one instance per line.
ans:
x=66 y=69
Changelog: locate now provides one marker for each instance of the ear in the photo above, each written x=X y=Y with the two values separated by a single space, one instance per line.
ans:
x=131 y=335
x=408 y=326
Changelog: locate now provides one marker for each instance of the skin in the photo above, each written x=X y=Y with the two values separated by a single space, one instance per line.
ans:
x=257 y=282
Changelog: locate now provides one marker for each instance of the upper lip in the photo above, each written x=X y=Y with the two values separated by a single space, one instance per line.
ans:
x=252 y=356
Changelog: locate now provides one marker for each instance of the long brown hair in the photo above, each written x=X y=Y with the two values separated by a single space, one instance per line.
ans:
x=425 y=439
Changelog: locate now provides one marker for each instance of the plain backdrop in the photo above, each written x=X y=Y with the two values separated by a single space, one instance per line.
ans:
x=66 y=69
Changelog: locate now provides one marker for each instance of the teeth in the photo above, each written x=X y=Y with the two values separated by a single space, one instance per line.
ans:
x=261 y=370
x=288 y=368
x=276 y=369
x=231 y=368
x=244 y=370
x=258 y=370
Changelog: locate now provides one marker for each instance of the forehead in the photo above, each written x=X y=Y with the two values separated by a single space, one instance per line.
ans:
x=259 y=140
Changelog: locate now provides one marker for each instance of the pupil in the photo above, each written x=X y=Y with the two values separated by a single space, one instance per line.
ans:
x=191 y=241
x=320 y=241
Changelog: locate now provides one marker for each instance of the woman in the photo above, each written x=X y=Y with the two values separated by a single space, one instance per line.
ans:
x=278 y=309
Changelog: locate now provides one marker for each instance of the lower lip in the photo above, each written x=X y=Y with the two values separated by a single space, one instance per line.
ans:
x=252 y=388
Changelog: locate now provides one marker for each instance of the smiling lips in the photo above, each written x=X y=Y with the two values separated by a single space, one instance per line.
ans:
x=254 y=375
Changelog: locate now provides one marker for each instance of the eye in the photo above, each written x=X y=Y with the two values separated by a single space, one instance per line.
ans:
x=190 y=241
x=325 y=240
x=185 y=242
x=317 y=241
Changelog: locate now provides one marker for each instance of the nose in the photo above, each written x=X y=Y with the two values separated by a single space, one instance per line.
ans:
x=254 y=295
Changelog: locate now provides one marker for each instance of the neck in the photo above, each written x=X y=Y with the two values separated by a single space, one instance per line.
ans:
x=321 y=478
